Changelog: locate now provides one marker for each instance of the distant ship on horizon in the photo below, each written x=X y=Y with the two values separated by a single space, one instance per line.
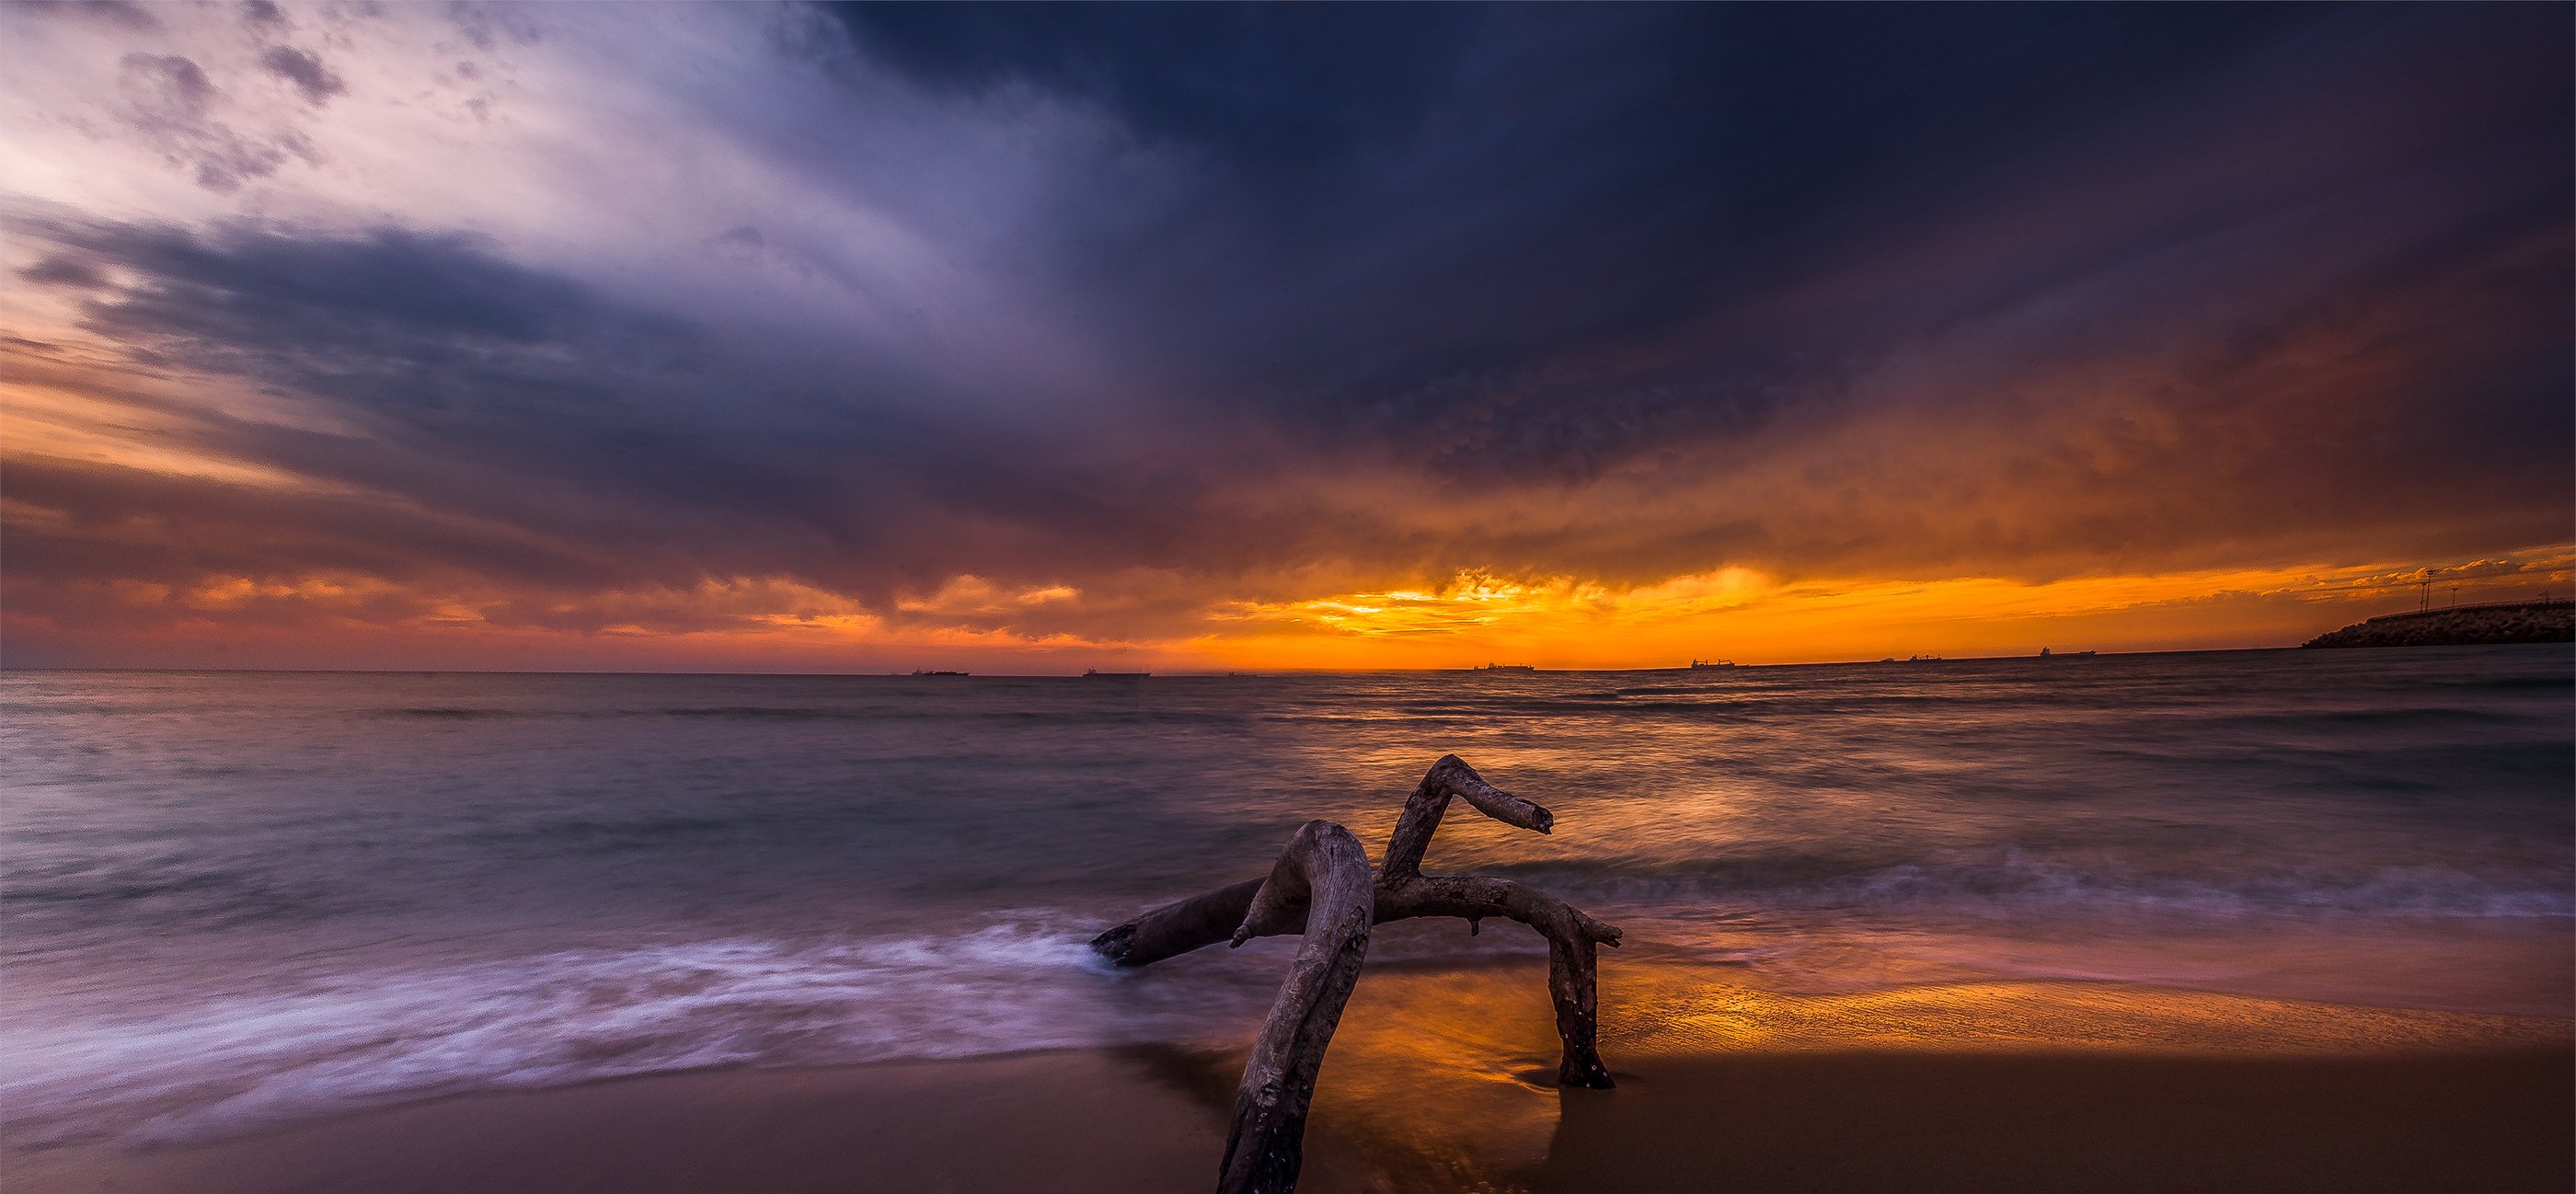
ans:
x=2045 y=653
x=1710 y=665
x=1097 y=674
x=925 y=672
x=1505 y=667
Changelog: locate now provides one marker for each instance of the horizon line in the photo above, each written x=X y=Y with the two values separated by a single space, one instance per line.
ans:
x=1177 y=674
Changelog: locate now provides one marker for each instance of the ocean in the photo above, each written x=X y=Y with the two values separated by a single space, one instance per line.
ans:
x=235 y=899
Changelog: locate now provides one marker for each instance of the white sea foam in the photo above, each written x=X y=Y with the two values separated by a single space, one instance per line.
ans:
x=352 y=1039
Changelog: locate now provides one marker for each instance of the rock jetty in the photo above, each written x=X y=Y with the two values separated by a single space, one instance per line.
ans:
x=2461 y=626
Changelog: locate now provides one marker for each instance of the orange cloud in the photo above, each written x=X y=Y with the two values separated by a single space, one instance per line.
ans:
x=328 y=620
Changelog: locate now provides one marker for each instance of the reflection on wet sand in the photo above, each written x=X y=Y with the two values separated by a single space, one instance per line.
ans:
x=1437 y=1082
x=1442 y=1079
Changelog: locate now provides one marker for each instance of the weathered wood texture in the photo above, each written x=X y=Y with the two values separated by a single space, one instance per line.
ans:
x=1309 y=891
x=1323 y=877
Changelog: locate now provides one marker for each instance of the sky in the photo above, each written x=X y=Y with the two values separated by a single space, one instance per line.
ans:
x=1029 y=339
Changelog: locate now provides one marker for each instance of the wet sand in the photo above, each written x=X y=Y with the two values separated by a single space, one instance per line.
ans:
x=1092 y=1122
x=1936 y=1122
x=1438 y=1082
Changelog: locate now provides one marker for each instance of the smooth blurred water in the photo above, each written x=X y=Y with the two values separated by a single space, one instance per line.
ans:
x=236 y=898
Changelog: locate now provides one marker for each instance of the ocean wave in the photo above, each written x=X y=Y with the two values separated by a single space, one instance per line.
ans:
x=771 y=713
x=444 y=713
x=2022 y=885
x=914 y=712
x=250 y=898
x=579 y=836
x=40 y=900
x=934 y=712
x=338 y=1041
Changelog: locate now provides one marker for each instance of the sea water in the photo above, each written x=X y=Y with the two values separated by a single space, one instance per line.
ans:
x=238 y=899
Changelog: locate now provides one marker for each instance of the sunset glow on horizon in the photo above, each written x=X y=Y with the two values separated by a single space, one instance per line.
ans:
x=1739 y=616
x=759 y=338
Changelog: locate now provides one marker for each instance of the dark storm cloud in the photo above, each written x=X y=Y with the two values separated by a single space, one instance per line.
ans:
x=466 y=384
x=1622 y=292
x=1273 y=86
x=1616 y=227
x=501 y=422
x=336 y=302
x=1674 y=243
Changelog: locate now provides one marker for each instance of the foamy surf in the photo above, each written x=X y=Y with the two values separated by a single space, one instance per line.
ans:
x=330 y=1042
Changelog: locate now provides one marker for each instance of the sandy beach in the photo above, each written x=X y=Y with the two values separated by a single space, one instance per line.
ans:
x=1436 y=1084
x=1093 y=1121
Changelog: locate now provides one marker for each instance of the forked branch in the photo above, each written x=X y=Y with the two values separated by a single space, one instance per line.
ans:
x=1451 y=776
x=1311 y=891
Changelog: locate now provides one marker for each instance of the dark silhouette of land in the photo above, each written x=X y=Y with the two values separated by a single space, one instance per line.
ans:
x=2461 y=626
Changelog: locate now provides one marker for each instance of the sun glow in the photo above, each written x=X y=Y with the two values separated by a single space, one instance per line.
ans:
x=350 y=619
x=1747 y=617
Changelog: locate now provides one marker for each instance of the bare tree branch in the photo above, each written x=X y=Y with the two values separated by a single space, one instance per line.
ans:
x=1451 y=776
x=1324 y=873
x=1321 y=888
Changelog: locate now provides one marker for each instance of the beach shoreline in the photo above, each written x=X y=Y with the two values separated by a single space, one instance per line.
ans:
x=1437 y=1083
x=1098 y=1120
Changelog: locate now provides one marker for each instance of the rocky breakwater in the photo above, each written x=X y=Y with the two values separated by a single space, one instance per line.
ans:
x=2461 y=626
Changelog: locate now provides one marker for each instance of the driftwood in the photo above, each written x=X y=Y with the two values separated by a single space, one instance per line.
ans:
x=1322 y=888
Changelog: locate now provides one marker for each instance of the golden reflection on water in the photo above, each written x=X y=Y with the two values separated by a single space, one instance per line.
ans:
x=1647 y=796
x=1444 y=1078
x=1652 y=819
x=1667 y=1012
